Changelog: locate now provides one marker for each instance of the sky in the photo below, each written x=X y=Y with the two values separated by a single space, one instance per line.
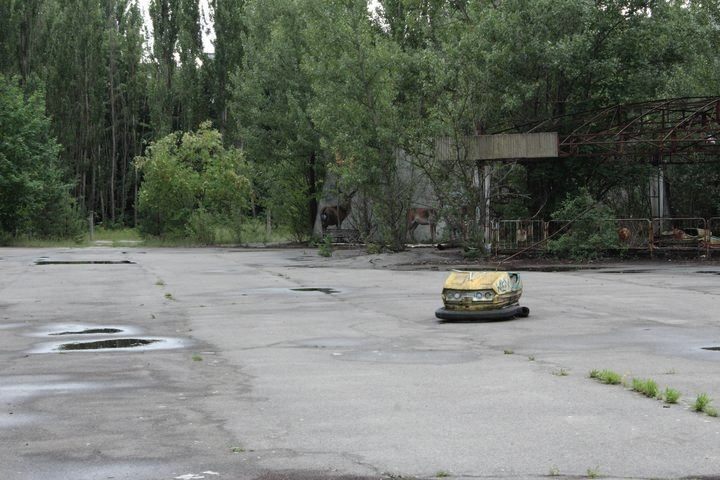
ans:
x=208 y=32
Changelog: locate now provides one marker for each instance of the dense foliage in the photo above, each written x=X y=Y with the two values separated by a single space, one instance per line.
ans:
x=34 y=198
x=307 y=87
x=192 y=186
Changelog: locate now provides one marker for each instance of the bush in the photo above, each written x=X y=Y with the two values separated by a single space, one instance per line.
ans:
x=191 y=185
x=590 y=232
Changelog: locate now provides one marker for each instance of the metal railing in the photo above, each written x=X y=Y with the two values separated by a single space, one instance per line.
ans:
x=637 y=234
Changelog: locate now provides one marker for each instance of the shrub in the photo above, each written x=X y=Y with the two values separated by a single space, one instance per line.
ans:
x=325 y=248
x=190 y=183
x=590 y=233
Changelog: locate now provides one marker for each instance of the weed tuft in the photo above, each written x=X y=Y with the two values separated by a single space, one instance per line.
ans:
x=508 y=352
x=606 y=376
x=702 y=402
x=671 y=395
x=593 y=472
x=711 y=411
x=169 y=296
x=196 y=357
x=237 y=449
x=325 y=247
x=442 y=474
x=160 y=282
x=554 y=471
x=647 y=387
x=531 y=358
x=561 y=372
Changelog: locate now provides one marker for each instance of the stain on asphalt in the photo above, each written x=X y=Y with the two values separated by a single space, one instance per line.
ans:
x=83 y=262
x=325 y=290
x=89 y=331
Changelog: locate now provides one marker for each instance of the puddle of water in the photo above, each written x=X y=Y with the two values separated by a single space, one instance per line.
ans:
x=714 y=349
x=113 y=345
x=327 y=291
x=83 y=262
x=101 y=344
x=89 y=331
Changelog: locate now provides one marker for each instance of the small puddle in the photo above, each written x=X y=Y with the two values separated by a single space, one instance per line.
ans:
x=89 y=331
x=83 y=262
x=102 y=344
x=134 y=344
x=327 y=291
x=714 y=349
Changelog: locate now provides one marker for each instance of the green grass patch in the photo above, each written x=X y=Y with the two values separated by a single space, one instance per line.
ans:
x=442 y=474
x=117 y=234
x=671 y=395
x=702 y=402
x=647 y=387
x=606 y=376
x=508 y=352
x=196 y=357
x=593 y=472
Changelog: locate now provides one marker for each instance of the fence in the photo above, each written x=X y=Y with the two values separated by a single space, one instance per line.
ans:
x=637 y=234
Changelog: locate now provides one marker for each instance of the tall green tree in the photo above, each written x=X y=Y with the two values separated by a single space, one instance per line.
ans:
x=229 y=24
x=34 y=198
x=271 y=99
x=355 y=72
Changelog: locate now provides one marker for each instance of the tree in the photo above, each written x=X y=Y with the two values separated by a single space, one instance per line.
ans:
x=34 y=199
x=271 y=101
x=355 y=78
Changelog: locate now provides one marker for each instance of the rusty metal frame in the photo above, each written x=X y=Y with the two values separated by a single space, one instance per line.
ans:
x=676 y=130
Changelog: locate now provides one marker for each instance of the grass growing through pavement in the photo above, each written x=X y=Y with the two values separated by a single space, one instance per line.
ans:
x=647 y=387
x=606 y=376
x=442 y=474
x=508 y=352
x=593 y=472
x=671 y=395
x=196 y=358
x=702 y=402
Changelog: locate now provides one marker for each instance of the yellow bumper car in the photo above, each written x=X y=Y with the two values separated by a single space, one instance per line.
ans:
x=481 y=296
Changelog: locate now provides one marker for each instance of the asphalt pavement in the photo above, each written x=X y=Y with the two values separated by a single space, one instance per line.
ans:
x=278 y=364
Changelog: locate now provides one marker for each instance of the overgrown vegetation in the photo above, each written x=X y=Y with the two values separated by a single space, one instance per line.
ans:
x=193 y=186
x=585 y=230
x=307 y=87
x=35 y=200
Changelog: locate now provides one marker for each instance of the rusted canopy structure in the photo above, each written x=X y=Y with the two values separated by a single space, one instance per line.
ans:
x=676 y=130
